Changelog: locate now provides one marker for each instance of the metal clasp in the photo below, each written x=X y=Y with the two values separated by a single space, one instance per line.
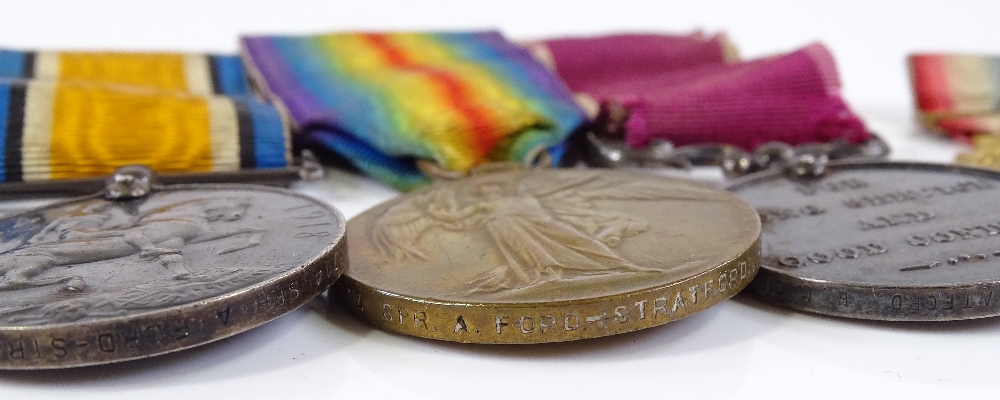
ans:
x=129 y=182
x=306 y=167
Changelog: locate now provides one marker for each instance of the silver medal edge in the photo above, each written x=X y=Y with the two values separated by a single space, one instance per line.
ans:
x=873 y=301
x=329 y=264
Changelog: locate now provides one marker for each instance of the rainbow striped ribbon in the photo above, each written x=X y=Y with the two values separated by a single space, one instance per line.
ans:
x=84 y=114
x=384 y=100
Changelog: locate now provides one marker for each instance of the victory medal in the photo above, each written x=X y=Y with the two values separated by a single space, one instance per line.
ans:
x=546 y=256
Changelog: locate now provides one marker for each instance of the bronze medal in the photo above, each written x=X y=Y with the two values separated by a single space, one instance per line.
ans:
x=97 y=280
x=547 y=256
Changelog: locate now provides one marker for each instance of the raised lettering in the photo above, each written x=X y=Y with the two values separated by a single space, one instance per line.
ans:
x=965 y=233
x=131 y=338
x=621 y=313
x=942 y=237
x=990 y=229
x=546 y=321
x=387 y=312
x=460 y=324
x=59 y=347
x=223 y=316
x=15 y=350
x=501 y=322
x=262 y=303
x=820 y=258
x=181 y=331
x=694 y=292
x=576 y=321
x=848 y=252
x=641 y=305
x=419 y=318
x=791 y=262
x=678 y=302
x=106 y=342
x=152 y=334
x=659 y=305
x=527 y=324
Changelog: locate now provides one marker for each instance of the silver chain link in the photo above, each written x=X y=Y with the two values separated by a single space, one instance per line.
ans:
x=803 y=160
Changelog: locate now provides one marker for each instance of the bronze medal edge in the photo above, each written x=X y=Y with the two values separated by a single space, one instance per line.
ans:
x=546 y=322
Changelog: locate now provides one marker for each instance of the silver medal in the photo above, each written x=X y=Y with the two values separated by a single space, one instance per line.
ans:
x=144 y=270
x=879 y=240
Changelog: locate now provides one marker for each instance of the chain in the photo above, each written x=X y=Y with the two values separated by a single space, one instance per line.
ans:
x=602 y=146
x=803 y=160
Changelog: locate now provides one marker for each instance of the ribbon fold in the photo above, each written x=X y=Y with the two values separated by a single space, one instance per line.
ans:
x=386 y=100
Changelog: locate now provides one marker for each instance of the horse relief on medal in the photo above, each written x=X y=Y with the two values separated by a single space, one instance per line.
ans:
x=93 y=259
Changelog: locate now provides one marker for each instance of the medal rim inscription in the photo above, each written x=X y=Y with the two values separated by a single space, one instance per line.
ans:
x=490 y=322
x=309 y=279
x=871 y=300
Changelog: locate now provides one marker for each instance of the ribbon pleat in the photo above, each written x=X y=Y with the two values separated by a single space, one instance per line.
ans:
x=385 y=100
x=690 y=89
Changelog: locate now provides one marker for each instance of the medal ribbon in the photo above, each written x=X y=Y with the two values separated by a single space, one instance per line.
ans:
x=76 y=115
x=692 y=89
x=385 y=100
x=957 y=94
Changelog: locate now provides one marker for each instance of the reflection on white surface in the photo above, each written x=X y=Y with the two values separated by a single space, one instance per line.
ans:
x=739 y=349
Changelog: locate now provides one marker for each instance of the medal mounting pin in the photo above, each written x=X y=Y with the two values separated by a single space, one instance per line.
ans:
x=129 y=182
x=134 y=181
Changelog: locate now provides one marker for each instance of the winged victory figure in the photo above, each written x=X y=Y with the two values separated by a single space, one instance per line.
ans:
x=544 y=229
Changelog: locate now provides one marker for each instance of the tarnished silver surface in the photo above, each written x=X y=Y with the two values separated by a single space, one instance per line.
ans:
x=884 y=241
x=93 y=281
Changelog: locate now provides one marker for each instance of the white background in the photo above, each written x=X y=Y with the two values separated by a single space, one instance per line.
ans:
x=738 y=349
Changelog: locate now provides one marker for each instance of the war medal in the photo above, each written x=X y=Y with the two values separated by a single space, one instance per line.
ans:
x=546 y=256
x=149 y=269
x=879 y=240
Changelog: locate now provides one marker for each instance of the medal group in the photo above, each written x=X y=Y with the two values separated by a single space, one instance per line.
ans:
x=513 y=230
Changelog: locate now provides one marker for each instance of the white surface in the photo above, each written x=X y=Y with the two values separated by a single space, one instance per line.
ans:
x=739 y=349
